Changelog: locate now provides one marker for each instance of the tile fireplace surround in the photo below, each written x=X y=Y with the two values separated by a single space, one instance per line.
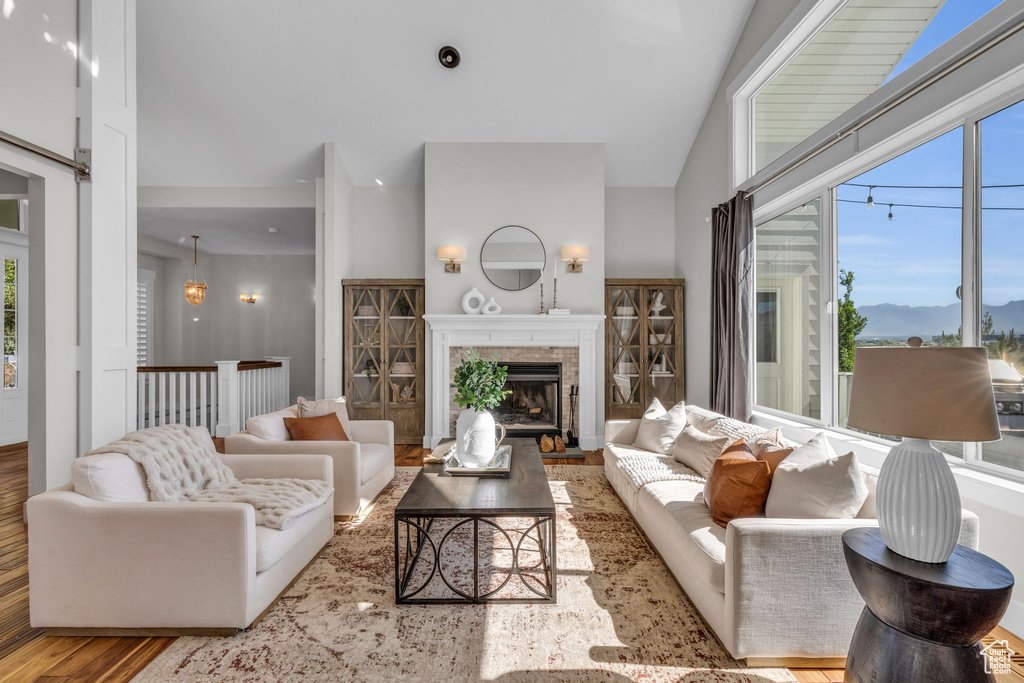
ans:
x=513 y=335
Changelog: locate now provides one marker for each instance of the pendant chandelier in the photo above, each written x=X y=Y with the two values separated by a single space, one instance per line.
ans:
x=195 y=289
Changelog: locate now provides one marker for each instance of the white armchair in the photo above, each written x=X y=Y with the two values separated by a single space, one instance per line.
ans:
x=103 y=560
x=363 y=466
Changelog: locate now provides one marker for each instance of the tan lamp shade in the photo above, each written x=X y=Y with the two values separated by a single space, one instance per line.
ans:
x=572 y=252
x=936 y=393
x=451 y=253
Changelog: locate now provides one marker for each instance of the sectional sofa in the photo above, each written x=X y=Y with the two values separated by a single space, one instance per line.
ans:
x=776 y=592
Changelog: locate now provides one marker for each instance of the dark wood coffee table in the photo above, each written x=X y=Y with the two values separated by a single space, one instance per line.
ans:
x=476 y=501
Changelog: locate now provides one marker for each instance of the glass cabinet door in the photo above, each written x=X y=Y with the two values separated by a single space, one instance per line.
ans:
x=660 y=355
x=402 y=344
x=625 y=345
x=366 y=334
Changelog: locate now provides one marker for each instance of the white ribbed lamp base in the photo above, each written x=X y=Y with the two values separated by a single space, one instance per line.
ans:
x=918 y=502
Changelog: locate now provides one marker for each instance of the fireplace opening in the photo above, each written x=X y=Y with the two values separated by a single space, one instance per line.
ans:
x=534 y=408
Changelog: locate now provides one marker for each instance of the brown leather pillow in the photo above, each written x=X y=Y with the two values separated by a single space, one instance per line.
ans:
x=322 y=428
x=738 y=487
x=738 y=447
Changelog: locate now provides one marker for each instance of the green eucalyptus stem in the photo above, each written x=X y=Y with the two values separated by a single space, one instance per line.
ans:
x=479 y=383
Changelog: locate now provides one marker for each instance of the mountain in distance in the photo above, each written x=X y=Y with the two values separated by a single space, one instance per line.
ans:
x=891 y=320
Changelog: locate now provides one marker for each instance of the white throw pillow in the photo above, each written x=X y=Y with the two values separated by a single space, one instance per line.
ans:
x=659 y=427
x=702 y=418
x=308 y=408
x=698 y=450
x=815 y=483
x=271 y=426
x=109 y=476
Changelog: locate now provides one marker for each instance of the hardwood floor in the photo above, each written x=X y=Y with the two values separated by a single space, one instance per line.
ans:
x=26 y=654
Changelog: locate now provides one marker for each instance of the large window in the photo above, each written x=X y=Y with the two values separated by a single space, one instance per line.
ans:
x=1001 y=138
x=788 y=297
x=861 y=47
x=899 y=243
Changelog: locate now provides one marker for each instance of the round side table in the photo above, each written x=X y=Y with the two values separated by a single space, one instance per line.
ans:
x=922 y=621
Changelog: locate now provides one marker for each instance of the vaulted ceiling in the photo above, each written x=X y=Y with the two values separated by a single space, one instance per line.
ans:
x=244 y=92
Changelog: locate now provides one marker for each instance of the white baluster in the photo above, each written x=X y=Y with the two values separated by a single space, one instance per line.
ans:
x=214 y=406
x=172 y=399
x=204 y=377
x=151 y=381
x=162 y=397
x=192 y=398
x=140 y=393
x=182 y=398
x=228 y=413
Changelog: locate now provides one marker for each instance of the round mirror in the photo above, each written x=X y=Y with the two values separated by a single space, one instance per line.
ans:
x=513 y=258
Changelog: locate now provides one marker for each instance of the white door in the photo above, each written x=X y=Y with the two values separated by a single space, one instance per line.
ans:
x=14 y=390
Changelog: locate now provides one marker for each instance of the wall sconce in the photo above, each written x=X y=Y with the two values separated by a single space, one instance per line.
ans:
x=452 y=256
x=575 y=255
x=251 y=299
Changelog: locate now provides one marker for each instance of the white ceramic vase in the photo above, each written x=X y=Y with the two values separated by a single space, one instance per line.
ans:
x=472 y=302
x=918 y=502
x=475 y=437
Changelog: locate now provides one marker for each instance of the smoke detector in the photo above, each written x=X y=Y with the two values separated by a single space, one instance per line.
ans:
x=449 y=57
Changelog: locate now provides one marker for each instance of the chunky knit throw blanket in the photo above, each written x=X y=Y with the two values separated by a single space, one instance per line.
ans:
x=641 y=469
x=181 y=464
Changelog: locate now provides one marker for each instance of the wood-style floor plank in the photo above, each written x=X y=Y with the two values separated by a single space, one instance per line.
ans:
x=26 y=655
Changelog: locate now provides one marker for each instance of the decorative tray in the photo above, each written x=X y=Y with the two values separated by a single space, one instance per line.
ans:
x=499 y=465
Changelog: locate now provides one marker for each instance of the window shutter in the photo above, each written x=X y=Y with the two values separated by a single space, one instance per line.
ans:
x=144 y=318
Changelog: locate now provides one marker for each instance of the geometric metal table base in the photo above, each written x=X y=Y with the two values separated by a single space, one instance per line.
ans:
x=421 y=536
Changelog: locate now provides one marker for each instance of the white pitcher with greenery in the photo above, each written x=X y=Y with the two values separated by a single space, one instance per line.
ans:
x=479 y=384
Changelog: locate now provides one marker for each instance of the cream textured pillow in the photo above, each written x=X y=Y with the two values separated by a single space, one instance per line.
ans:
x=772 y=442
x=699 y=450
x=659 y=427
x=815 y=483
x=270 y=426
x=324 y=406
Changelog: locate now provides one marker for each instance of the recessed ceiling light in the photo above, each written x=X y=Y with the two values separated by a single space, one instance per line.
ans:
x=271 y=229
x=379 y=182
x=449 y=57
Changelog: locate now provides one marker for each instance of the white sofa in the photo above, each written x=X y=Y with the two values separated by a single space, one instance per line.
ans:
x=105 y=560
x=776 y=592
x=362 y=466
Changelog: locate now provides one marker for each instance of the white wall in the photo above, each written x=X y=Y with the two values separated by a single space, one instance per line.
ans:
x=39 y=78
x=279 y=324
x=387 y=232
x=640 y=232
x=556 y=190
x=704 y=183
x=334 y=247
x=44 y=112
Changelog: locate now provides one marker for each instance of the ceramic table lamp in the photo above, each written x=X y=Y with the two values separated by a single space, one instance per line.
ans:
x=920 y=394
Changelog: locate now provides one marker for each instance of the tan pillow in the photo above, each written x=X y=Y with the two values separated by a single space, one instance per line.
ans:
x=309 y=408
x=773 y=448
x=815 y=483
x=738 y=487
x=698 y=450
x=321 y=428
x=659 y=427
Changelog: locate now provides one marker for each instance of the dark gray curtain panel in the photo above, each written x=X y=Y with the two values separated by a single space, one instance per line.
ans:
x=732 y=306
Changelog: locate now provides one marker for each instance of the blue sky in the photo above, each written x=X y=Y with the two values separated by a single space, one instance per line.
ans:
x=915 y=259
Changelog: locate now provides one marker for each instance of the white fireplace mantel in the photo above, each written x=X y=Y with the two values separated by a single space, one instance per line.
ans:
x=448 y=330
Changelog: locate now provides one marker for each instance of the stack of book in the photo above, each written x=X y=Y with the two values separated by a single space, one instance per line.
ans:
x=558 y=311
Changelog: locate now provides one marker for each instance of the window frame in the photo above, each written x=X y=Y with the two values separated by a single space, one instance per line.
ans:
x=966 y=111
x=803 y=23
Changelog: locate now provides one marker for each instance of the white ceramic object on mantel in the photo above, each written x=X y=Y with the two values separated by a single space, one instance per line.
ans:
x=491 y=307
x=475 y=438
x=472 y=302
x=918 y=502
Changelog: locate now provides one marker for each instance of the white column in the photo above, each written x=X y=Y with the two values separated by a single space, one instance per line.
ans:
x=107 y=225
x=227 y=398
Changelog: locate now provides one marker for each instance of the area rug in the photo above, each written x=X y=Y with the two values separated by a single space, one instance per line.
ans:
x=620 y=615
